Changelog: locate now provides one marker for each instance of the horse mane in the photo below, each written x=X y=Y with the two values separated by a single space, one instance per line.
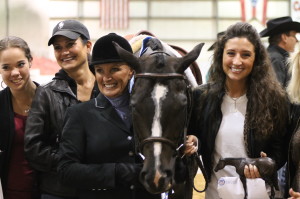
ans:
x=193 y=73
x=155 y=44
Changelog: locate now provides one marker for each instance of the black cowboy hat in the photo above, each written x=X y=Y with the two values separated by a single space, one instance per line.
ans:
x=280 y=25
x=219 y=35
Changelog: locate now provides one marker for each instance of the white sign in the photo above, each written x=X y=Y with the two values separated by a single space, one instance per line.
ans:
x=295 y=10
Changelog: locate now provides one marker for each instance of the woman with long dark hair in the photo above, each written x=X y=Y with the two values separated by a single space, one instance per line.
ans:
x=242 y=110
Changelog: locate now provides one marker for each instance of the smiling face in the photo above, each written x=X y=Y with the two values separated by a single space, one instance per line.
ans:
x=291 y=41
x=14 y=68
x=71 y=54
x=112 y=78
x=238 y=59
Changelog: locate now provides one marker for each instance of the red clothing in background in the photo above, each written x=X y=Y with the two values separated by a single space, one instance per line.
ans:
x=20 y=175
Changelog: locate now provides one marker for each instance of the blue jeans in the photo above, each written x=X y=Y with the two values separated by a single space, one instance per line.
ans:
x=48 y=196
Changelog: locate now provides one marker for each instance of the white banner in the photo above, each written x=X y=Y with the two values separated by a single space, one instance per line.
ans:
x=295 y=10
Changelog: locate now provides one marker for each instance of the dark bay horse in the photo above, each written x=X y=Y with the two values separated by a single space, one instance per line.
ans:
x=160 y=102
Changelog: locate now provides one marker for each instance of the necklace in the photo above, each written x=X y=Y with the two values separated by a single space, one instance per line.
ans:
x=21 y=108
x=234 y=99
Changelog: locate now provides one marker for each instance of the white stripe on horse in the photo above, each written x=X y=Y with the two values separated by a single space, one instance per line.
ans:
x=158 y=95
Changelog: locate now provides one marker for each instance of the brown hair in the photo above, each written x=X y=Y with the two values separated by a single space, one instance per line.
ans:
x=267 y=100
x=16 y=42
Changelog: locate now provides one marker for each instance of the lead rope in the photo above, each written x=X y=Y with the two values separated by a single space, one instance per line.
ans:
x=196 y=158
x=200 y=165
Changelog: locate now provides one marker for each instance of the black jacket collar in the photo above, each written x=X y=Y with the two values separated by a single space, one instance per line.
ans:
x=110 y=113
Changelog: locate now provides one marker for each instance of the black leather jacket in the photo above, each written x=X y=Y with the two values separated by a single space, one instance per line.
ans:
x=43 y=130
x=205 y=123
x=293 y=129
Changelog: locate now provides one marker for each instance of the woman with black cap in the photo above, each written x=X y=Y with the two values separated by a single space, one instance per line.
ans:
x=74 y=83
x=97 y=145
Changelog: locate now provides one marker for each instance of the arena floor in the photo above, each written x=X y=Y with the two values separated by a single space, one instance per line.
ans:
x=199 y=183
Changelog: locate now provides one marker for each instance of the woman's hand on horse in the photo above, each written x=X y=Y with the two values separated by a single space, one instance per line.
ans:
x=295 y=195
x=251 y=171
x=191 y=145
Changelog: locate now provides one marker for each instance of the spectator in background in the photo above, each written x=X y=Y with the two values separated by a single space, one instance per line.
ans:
x=212 y=48
x=293 y=164
x=282 y=40
x=17 y=177
x=74 y=83
x=219 y=35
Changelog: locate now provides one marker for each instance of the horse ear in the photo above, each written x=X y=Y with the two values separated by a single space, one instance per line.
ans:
x=128 y=57
x=189 y=58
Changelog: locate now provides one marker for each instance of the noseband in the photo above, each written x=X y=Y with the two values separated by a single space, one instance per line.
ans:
x=169 y=142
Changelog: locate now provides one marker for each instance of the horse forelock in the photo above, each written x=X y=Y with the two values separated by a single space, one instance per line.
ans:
x=158 y=63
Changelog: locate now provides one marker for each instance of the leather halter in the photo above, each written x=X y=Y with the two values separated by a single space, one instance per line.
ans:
x=176 y=146
x=173 y=145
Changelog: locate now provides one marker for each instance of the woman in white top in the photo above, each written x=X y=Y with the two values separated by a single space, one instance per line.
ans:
x=242 y=110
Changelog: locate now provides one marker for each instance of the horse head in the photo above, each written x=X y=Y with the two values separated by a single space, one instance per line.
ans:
x=160 y=106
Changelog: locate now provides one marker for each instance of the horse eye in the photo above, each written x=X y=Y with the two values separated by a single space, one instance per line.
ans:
x=183 y=99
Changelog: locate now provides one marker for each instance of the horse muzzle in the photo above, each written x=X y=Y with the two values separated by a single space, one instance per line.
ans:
x=156 y=181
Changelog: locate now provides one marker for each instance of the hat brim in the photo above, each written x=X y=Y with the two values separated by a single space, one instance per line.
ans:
x=280 y=29
x=66 y=33
x=106 y=61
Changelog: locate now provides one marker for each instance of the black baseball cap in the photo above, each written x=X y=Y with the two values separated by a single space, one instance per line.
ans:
x=71 y=29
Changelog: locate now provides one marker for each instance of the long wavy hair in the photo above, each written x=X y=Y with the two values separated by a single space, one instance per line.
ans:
x=293 y=87
x=267 y=100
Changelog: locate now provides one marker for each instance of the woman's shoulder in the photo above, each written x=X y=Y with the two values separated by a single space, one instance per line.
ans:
x=83 y=106
x=55 y=83
x=295 y=109
x=204 y=89
x=54 y=86
x=4 y=93
x=201 y=88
